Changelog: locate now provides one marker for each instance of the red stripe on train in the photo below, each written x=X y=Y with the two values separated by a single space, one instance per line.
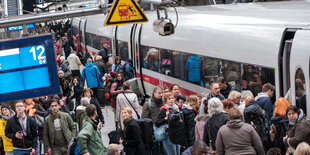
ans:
x=156 y=82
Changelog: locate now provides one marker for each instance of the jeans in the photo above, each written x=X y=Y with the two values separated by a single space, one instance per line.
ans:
x=9 y=153
x=22 y=152
x=171 y=149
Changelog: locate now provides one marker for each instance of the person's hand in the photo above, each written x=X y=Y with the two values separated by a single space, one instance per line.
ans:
x=33 y=151
x=167 y=112
x=61 y=102
x=86 y=153
x=19 y=134
x=284 y=138
x=49 y=151
x=120 y=141
x=109 y=55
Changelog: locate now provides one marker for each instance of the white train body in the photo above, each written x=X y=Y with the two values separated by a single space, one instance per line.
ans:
x=273 y=38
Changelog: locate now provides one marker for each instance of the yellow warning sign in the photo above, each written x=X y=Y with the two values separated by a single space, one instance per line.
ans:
x=125 y=12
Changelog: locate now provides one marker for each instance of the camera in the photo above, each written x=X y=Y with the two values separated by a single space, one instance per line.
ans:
x=163 y=27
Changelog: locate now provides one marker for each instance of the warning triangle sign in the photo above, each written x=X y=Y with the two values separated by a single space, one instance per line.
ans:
x=125 y=12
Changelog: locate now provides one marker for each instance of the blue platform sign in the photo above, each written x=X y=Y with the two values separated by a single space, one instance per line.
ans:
x=27 y=68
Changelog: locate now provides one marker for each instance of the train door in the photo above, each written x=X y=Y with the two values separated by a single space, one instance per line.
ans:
x=82 y=34
x=138 y=57
x=299 y=71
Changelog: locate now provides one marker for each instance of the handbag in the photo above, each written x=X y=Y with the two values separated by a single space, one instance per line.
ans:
x=160 y=132
x=115 y=135
x=39 y=120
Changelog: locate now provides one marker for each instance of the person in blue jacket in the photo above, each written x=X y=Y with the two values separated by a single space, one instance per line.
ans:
x=194 y=69
x=91 y=73
x=128 y=69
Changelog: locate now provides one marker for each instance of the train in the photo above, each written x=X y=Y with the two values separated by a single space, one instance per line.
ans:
x=249 y=44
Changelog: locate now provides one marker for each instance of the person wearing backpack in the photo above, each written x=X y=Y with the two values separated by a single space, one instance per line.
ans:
x=190 y=110
x=152 y=106
x=132 y=141
x=279 y=124
x=127 y=69
x=117 y=66
x=264 y=101
x=258 y=118
x=162 y=118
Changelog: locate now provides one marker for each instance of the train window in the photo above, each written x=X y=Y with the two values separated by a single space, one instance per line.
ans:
x=254 y=77
x=122 y=50
x=98 y=42
x=151 y=58
x=231 y=71
x=165 y=62
x=178 y=65
x=211 y=70
x=300 y=90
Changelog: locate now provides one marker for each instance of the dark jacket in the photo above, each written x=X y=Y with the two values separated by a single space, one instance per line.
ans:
x=104 y=53
x=298 y=133
x=66 y=46
x=95 y=102
x=212 y=127
x=102 y=68
x=67 y=126
x=226 y=92
x=190 y=123
x=28 y=141
x=281 y=125
x=194 y=69
x=77 y=93
x=128 y=70
x=237 y=137
x=265 y=103
x=133 y=144
x=151 y=111
x=160 y=119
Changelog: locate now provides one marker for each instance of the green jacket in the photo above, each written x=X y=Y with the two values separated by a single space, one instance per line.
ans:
x=89 y=139
x=67 y=126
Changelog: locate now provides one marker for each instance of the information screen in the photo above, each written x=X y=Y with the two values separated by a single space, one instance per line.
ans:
x=27 y=68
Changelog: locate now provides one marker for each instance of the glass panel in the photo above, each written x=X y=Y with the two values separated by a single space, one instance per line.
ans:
x=300 y=90
x=231 y=71
x=151 y=58
x=211 y=70
x=122 y=48
x=165 y=62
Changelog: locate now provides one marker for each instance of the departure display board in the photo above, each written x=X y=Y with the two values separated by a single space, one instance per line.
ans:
x=27 y=68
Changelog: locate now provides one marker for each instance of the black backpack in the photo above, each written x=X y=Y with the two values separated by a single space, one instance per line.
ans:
x=107 y=89
x=146 y=127
x=257 y=117
x=176 y=130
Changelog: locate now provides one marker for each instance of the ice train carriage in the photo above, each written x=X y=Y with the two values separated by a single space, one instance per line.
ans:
x=261 y=42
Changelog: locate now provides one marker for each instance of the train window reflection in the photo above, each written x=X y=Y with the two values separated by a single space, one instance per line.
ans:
x=151 y=59
x=98 y=42
x=300 y=90
x=202 y=70
x=122 y=50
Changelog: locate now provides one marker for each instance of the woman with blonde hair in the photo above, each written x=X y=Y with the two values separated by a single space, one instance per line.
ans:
x=303 y=149
x=132 y=141
x=279 y=123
